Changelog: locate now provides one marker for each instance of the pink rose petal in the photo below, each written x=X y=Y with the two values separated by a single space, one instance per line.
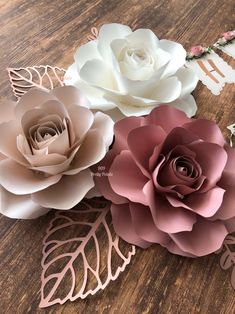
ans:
x=179 y=137
x=102 y=180
x=147 y=230
x=206 y=204
x=206 y=130
x=122 y=129
x=227 y=208
x=167 y=117
x=228 y=176
x=126 y=179
x=212 y=158
x=142 y=141
x=205 y=238
x=166 y=217
x=123 y=225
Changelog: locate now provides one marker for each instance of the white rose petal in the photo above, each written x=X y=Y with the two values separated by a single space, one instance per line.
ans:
x=137 y=65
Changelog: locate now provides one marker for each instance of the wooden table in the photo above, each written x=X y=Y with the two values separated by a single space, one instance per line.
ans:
x=48 y=32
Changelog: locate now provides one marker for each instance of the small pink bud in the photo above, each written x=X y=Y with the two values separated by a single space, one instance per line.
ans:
x=197 y=50
x=229 y=35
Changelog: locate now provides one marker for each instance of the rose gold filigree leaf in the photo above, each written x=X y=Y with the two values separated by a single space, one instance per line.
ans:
x=233 y=278
x=229 y=240
x=94 y=34
x=134 y=24
x=81 y=253
x=227 y=259
x=43 y=76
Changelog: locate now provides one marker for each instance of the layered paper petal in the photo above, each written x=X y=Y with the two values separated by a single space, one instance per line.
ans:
x=188 y=81
x=123 y=225
x=104 y=124
x=81 y=120
x=70 y=96
x=167 y=90
x=8 y=143
x=194 y=242
x=167 y=117
x=167 y=218
x=142 y=141
x=107 y=34
x=69 y=191
x=49 y=145
x=91 y=151
x=212 y=159
x=126 y=178
x=85 y=53
x=178 y=55
x=19 y=206
x=33 y=98
x=102 y=180
x=97 y=73
x=147 y=230
x=168 y=184
x=19 y=180
x=186 y=104
x=208 y=131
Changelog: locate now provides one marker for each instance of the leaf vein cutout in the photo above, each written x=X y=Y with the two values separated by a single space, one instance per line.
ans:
x=227 y=259
x=44 y=77
x=50 y=247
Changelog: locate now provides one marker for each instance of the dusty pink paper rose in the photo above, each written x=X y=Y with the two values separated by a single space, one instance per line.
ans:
x=229 y=35
x=197 y=51
x=48 y=142
x=171 y=180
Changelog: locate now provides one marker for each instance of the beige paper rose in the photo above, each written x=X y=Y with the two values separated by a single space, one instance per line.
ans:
x=48 y=141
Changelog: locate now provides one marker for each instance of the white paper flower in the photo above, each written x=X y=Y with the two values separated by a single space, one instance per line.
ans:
x=48 y=142
x=134 y=71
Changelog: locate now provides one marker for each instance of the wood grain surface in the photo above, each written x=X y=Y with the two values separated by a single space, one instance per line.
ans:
x=34 y=32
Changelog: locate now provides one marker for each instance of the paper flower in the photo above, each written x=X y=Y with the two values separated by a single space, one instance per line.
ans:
x=229 y=35
x=171 y=181
x=48 y=142
x=197 y=50
x=134 y=71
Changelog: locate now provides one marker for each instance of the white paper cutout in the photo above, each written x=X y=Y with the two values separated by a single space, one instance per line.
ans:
x=213 y=71
x=227 y=43
x=229 y=49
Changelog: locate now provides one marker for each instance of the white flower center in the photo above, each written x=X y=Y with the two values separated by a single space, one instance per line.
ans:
x=136 y=63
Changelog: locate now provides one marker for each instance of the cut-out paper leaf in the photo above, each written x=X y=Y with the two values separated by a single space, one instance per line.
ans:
x=44 y=76
x=94 y=34
x=227 y=259
x=81 y=253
